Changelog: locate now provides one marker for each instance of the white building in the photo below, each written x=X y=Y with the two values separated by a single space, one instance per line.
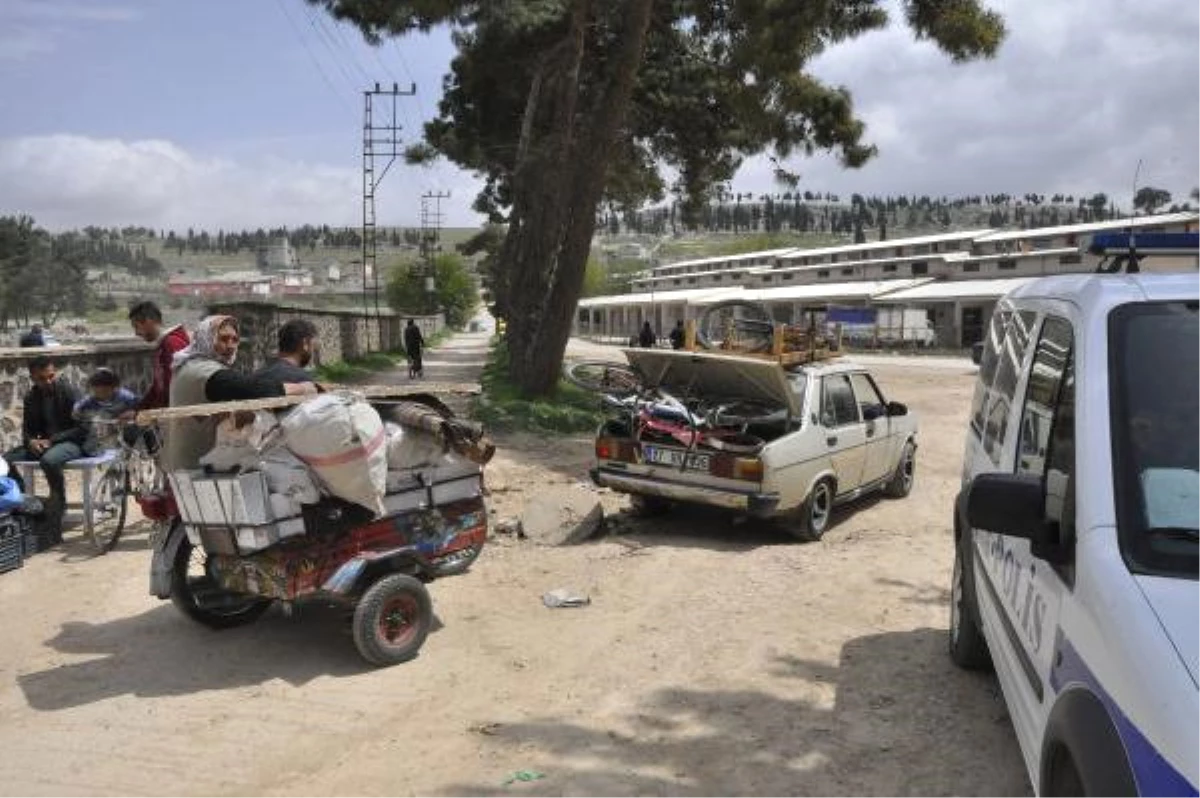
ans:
x=956 y=277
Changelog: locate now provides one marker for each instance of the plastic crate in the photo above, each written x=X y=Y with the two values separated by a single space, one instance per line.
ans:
x=12 y=544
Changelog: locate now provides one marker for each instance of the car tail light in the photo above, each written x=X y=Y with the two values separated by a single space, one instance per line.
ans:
x=750 y=468
x=606 y=449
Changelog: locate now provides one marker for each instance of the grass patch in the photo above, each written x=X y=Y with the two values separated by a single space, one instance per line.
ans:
x=502 y=407
x=359 y=368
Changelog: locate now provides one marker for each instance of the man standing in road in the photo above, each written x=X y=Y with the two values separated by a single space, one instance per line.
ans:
x=414 y=342
x=647 y=338
x=677 y=335
x=147 y=323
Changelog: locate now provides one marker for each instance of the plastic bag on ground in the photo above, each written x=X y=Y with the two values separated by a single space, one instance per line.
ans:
x=342 y=439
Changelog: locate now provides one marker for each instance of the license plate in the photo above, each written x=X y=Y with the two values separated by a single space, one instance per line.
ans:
x=674 y=457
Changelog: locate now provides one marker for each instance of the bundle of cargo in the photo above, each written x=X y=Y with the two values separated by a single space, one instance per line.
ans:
x=253 y=486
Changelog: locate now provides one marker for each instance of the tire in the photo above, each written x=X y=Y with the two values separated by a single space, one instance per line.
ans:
x=736 y=324
x=1064 y=777
x=392 y=620
x=597 y=376
x=815 y=513
x=968 y=647
x=901 y=483
x=647 y=506
x=199 y=598
x=109 y=503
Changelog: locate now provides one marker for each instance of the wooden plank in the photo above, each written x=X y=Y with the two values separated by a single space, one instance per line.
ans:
x=376 y=392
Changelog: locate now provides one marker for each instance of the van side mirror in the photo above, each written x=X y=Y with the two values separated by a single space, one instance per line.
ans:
x=1015 y=505
x=1008 y=504
x=897 y=409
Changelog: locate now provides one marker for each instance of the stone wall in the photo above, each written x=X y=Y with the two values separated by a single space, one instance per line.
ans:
x=131 y=359
x=344 y=334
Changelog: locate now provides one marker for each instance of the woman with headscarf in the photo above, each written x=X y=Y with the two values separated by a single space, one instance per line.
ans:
x=202 y=374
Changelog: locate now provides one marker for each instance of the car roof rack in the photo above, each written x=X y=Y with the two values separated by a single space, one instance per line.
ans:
x=1124 y=251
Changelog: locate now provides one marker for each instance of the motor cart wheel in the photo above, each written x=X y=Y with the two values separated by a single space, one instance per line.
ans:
x=968 y=648
x=392 y=620
x=200 y=598
x=901 y=483
x=814 y=513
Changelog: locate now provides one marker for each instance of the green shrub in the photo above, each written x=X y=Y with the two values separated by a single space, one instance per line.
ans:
x=501 y=406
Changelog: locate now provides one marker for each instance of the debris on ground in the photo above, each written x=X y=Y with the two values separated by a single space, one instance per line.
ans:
x=564 y=598
x=563 y=515
x=509 y=526
x=486 y=729
x=525 y=775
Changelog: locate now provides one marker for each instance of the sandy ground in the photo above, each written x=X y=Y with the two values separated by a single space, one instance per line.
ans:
x=715 y=658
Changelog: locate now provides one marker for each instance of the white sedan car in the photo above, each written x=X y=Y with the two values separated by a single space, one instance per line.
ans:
x=803 y=439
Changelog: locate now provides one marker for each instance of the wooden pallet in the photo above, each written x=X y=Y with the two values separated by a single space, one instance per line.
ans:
x=780 y=350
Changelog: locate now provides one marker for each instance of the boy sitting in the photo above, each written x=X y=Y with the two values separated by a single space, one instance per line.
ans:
x=99 y=412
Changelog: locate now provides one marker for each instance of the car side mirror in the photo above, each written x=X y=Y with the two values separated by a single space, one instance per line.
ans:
x=897 y=409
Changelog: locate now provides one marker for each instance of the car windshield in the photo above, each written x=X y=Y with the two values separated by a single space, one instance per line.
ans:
x=1156 y=434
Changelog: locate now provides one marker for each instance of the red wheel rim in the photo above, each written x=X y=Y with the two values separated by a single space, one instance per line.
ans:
x=399 y=618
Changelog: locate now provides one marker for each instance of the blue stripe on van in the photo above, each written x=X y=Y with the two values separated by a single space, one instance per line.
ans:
x=1153 y=774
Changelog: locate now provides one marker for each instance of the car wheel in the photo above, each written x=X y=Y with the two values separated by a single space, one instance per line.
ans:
x=815 y=512
x=968 y=648
x=901 y=483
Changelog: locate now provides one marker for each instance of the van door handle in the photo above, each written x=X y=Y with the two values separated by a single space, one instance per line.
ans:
x=831 y=440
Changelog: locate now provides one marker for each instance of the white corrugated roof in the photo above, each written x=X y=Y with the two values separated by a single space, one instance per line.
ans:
x=660 y=297
x=861 y=289
x=1092 y=227
x=892 y=242
x=956 y=289
x=766 y=253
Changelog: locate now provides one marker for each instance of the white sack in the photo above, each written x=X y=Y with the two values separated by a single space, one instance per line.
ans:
x=409 y=447
x=239 y=449
x=343 y=441
x=288 y=476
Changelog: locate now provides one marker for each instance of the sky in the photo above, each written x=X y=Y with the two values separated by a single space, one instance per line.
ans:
x=237 y=114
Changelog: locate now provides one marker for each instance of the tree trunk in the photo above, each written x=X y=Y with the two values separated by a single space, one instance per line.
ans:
x=557 y=189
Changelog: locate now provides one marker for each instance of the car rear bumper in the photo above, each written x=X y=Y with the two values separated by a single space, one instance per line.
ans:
x=759 y=505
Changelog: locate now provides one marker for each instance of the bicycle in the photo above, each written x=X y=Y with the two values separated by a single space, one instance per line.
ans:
x=131 y=470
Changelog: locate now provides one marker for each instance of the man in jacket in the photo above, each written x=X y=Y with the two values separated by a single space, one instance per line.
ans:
x=51 y=435
x=147 y=322
x=414 y=342
x=298 y=343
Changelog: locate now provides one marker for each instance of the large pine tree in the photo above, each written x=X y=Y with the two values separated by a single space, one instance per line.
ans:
x=562 y=104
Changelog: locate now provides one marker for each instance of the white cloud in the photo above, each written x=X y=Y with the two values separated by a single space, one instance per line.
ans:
x=36 y=27
x=1080 y=91
x=67 y=181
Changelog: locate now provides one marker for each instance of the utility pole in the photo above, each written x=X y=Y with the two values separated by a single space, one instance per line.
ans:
x=381 y=139
x=431 y=234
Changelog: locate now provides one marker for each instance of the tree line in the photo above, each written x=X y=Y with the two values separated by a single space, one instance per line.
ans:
x=41 y=276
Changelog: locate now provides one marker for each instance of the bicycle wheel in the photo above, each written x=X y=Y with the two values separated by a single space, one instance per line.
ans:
x=737 y=325
x=109 y=500
x=597 y=376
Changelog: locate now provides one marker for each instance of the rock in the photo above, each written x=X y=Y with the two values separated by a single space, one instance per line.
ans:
x=562 y=515
x=509 y=526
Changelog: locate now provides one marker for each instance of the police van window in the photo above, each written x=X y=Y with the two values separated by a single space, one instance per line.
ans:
x=837 y=402
x=987 y=367
x=1008 y=373
x=1060 y=467
x=1042 y=391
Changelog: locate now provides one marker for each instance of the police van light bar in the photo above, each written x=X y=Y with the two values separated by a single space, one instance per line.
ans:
x=1145 y=243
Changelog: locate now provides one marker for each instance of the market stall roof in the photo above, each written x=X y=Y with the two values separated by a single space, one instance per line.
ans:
x=943 y=290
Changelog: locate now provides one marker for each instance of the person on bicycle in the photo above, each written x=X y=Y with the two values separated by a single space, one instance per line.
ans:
x=647 y=339
x=414 y=342
x=98 y=412
x=298 y=344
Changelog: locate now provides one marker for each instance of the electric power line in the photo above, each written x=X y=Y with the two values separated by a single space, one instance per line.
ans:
x=316 y=62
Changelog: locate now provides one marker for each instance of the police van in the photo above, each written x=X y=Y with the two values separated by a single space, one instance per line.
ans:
x=1075 y=571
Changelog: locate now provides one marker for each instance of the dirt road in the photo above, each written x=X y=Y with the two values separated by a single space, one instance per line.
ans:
x=715 y=658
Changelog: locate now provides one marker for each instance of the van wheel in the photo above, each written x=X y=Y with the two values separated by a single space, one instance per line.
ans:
x=968 y=648
x=901 y=483
x=814 y=513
